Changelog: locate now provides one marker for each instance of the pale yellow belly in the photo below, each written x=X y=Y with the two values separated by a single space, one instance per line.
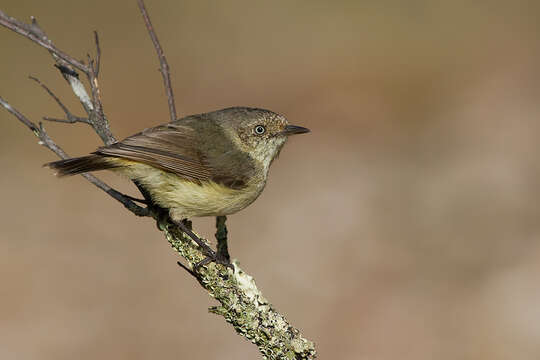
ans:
x=186 y=199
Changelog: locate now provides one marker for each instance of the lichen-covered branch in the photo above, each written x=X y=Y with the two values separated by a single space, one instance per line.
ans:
x=241 y=302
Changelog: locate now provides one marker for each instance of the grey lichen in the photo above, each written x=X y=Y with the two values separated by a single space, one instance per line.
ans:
x=242 y=304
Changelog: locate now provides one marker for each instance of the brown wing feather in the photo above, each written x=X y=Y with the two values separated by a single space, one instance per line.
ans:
x=168 y=147
x=194 y=148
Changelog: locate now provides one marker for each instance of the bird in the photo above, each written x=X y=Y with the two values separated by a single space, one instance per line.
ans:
x=209 y=164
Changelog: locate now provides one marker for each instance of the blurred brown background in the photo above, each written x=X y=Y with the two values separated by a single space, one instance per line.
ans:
x=405 y=226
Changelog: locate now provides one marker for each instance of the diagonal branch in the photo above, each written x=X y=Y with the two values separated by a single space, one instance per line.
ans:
x=241 y=302
x=164 y=66
x=66 y=65
x=32 y=31
x=70 y=118
x=45 y=140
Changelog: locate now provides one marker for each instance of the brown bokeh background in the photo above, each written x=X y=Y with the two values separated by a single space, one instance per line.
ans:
x=404 y=226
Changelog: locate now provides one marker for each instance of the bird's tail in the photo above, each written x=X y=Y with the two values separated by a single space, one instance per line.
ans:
x=81 y=165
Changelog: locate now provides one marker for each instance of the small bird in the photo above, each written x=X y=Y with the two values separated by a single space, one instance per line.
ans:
x=209 y=164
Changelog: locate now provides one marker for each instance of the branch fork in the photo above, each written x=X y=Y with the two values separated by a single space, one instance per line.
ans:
x=241 y=302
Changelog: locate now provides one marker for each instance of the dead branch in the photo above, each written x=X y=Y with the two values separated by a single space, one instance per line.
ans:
x=33 y=32
x=241 y=302
x=164 y=66
x=45 y=140
x=70 y=118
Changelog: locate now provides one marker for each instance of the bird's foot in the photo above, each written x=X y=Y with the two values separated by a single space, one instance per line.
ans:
x=215 y=257
x=218 y=257
x=142 y=201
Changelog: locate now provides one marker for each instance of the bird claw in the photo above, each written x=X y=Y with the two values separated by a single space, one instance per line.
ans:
x=215 y=258
x=219 y=257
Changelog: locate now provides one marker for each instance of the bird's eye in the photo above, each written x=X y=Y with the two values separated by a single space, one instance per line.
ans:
x=259 y=129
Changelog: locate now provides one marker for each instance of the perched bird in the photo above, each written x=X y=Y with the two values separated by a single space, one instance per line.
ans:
x=209 y=164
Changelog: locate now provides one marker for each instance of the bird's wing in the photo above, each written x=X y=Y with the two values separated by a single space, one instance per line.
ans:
x=196 y=153
x=172 y=148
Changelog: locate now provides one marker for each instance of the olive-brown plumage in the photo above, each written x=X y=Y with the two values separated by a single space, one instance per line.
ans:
x=202 y=165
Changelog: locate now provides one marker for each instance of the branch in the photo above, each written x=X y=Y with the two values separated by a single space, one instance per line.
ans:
x=66 y=65
x=33 y=32
x=70 y=117
x=45 y=140
x=241 y=302
x=164 y=66
x=98 y=54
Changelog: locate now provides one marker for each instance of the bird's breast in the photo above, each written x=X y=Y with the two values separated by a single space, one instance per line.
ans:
x=187 y=199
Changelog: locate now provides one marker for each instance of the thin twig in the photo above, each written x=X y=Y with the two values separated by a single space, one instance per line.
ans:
x=97 y=118
x=93 y=86
x=164 y=66
x=64 y=62
x=29 y=31
x=96 y=93
x=45 y=140
x=98 y=54
x=92 y=106
x=71 y=119
x=189 y=271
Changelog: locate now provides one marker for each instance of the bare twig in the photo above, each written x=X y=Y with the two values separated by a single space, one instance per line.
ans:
x=164 y=66
x=92 y=106
x=188 y=270
x=45 y=140
x=98 y=54
x=65 y=62
x=70 y=118
x=96 y=97
x=30 y=31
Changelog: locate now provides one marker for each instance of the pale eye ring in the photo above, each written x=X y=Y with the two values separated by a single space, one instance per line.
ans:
x=259 y=129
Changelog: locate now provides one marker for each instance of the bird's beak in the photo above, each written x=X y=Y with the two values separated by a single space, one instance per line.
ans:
x=293 y=130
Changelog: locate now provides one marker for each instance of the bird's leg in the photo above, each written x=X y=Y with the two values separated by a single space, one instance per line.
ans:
x=211 y=255
x=185 y=226
x=188 y=223
x=142 y=201
x=221 y=237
